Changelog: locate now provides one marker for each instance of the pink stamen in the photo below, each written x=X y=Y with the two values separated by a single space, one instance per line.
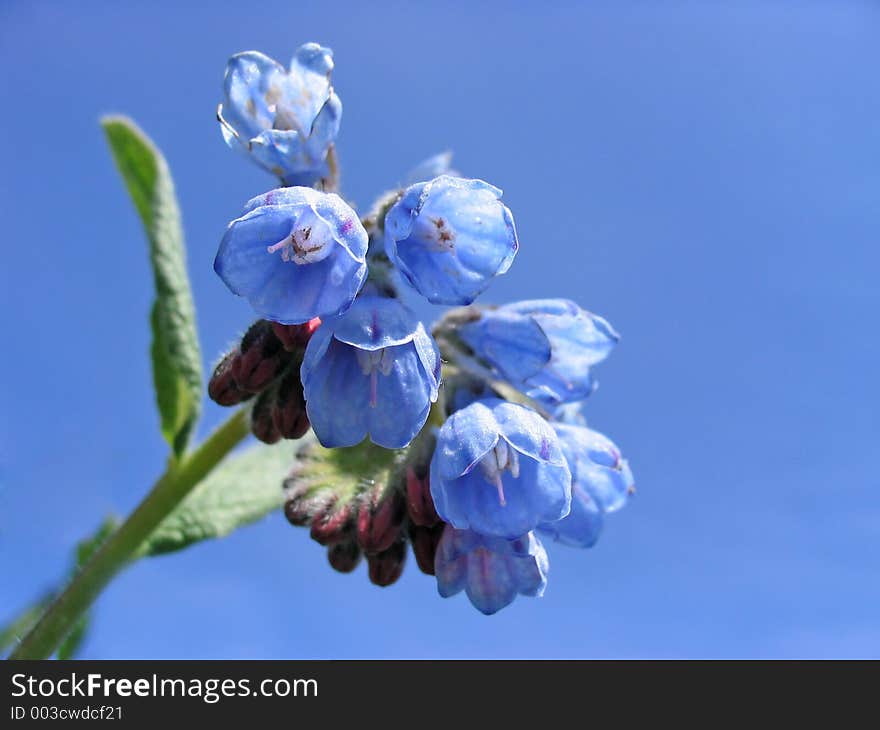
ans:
x=278 y=246
x=500 y=487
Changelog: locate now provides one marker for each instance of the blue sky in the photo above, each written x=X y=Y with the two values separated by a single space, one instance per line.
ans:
x=705 y=175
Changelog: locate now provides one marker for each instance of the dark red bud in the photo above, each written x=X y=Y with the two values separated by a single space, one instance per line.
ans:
x=332 y=524
x=295 y=336
x=302 y=504
x=262 y=425
x=424 y=545
x=297 y=512
x=289 y=410
x=222 y=388
x=344 y=556
x=262 y=358
x=386 y=567
x=419 y=502
x=380 y=519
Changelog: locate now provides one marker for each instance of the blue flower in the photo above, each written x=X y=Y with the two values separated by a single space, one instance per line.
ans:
x=601 y=482
x=543 y=347
x=449 y=237
x=374 y=371
x=294 y=254
x=491 y=570
x=498 y=469
x=286 y=120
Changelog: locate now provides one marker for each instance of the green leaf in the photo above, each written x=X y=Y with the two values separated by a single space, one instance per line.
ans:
x=22 y=623
x=177 y=361
x=244 y=488
x=347 y=472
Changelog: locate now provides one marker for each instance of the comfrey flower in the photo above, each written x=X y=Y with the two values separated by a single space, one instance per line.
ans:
x=286 y=120
x=294 y=254
x=374 y=371
x=337 y=352
x=498 y=469
x=449 y=237
x=601 y=482
x=543 y=347
x=491 y=570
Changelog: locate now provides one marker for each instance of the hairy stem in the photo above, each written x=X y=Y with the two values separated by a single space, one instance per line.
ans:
x=176 y=483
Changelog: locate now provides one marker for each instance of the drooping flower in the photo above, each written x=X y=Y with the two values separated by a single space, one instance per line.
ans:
x=285 y=120
x=449 y=237
x=491 y=570
x=498 y=469
x=372 y=372
x=601 y=482
x=543 y=347
x=294 y=254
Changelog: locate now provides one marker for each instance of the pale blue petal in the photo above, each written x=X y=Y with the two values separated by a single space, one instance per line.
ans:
x=404 y=399
x=528 y=432
x=285 y=291
x=467 y=436
x=374 y=322
x=515 y=345
x=492 y=571
x=337 y=397
x=249 y=75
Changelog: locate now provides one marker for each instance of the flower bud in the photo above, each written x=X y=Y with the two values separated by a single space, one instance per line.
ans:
x=289 y=409
x=380 y=519
x=424 y=545
x=262 y=425
x=262 y=358
x=344 y=556
x=332 y=524
x=301 y=502
x=385 y=567
x=419 y=502
x=297 y=512
x=222 y=388
x=295 y=336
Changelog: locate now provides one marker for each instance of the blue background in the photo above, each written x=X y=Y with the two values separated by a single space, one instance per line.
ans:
x=706 y=175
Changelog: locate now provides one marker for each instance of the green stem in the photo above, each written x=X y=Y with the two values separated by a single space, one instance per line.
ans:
x=175 y=484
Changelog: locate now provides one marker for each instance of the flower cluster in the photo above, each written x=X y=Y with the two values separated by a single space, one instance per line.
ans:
x=487 y=462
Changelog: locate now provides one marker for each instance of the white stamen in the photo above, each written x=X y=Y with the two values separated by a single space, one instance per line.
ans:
x=502 y=458
x=308 y=242
x=373 y=362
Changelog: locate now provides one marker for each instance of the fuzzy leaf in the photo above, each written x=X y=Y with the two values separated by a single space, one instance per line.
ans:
x=177 y=362
x=244 y=488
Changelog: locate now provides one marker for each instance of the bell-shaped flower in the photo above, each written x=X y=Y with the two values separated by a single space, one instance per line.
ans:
x=601 y=482
x=285 y=120
x=449 y=237
x=543 y=347
x=372 y=372
x=491 y=570
x=498 y=469
x=294 y=254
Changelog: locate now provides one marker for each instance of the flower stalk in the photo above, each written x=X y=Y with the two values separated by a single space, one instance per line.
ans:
x=179 y=479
